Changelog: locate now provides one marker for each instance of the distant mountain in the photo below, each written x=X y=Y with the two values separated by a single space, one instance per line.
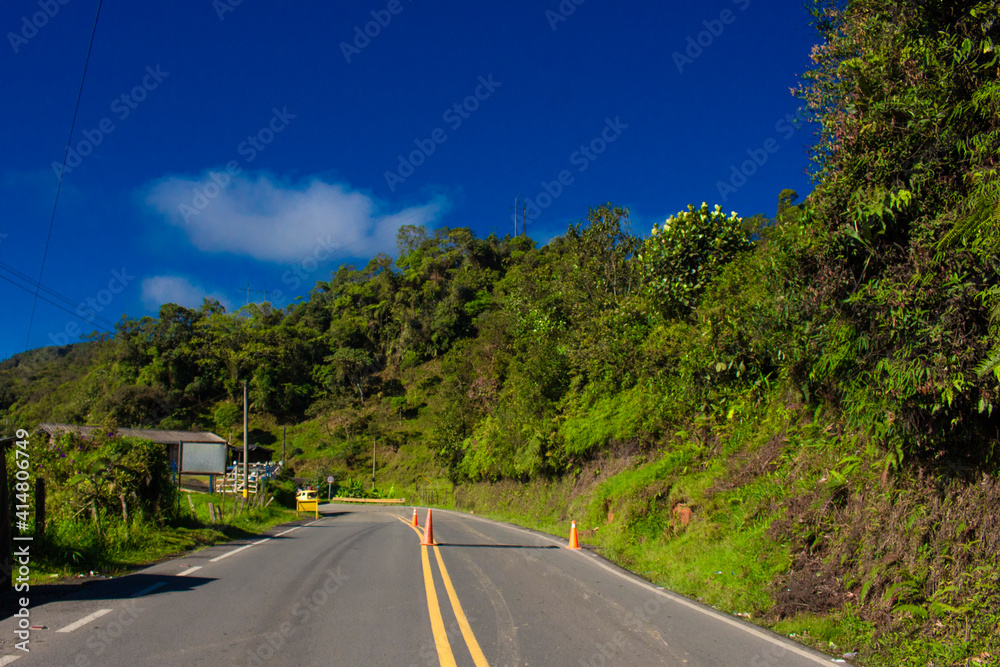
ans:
x=34 y=376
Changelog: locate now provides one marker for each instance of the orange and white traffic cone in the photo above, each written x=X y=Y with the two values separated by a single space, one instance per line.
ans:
x=428 y=540
x=415 y=524
x=574 y=542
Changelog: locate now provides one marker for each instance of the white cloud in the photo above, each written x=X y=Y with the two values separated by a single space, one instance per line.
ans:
x=281 y=221
x=159 y=290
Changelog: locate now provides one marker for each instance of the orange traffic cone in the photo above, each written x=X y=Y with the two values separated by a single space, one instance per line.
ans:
x=574 y=543
x=415 y=524
x=428 y=540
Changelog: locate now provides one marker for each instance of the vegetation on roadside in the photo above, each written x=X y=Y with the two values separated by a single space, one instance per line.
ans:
x=76 y=548
x=791 y=418
x=111 y=504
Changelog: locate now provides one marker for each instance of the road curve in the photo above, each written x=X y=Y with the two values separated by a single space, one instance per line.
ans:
x=356 y=587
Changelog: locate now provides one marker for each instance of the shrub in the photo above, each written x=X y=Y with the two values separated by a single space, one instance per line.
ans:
x=105 y=473
x=683 y=255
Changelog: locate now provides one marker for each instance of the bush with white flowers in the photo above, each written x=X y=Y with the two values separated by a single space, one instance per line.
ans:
x=683 y=254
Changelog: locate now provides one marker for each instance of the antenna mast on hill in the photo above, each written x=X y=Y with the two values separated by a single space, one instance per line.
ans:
x=524 y=217
x=247 y=289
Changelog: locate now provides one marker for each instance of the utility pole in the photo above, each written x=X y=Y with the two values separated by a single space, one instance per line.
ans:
x=282 y=445
x=246 y=445
x=515 y=217
x=373 y=463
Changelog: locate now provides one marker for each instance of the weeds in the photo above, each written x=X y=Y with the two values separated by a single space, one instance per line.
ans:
x=78 y=546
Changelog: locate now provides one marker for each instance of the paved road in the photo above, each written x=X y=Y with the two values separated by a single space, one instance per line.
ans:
x=356 y=588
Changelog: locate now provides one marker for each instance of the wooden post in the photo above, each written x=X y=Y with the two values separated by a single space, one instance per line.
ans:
x=211 y=512
x=180 y=457
x=246 y=444
x=39 y=509
x=6 y=536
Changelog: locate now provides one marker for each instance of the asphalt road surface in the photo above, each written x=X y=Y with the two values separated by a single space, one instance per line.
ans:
x=357 y=588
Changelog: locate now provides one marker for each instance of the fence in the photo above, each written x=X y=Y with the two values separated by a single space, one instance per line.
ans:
x=233 y=480
x=434 y=495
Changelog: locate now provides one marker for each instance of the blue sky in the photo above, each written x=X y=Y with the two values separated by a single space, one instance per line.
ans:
x=220 y=144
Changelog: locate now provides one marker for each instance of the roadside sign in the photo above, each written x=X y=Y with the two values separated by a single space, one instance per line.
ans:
x=306 y=501
x=329 y=480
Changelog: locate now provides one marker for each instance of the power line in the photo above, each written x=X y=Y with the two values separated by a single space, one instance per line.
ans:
x=55 y=204
x=79 y=307
x=59 y=306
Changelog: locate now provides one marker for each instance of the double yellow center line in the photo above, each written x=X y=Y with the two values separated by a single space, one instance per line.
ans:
x=445 y=655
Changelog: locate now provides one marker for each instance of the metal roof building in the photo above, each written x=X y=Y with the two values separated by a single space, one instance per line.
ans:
x=172 y=439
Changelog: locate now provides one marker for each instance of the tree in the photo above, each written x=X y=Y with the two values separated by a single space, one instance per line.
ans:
x=346 y=366
x=908 y=104
x=605 y=246
x=907 y=98
x=682 y=256
x=786 y=204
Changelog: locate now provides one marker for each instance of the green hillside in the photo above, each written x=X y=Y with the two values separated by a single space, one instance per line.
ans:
x=789 y=417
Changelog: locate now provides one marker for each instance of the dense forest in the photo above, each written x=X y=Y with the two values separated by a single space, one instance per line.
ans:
x=842 y=355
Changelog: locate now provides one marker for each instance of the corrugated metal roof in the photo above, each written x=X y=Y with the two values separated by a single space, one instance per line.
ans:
x=164 y=437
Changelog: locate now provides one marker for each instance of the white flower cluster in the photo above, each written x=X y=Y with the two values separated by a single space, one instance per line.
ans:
x=703 y=213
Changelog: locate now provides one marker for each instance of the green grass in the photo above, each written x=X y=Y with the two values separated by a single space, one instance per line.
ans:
x=729 y=556
x=73 y=547
x=837 y=633
x=724 y=557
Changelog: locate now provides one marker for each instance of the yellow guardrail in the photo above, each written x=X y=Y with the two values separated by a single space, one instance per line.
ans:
x=378 y=501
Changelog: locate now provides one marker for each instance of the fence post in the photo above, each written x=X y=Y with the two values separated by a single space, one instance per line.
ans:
x=6 y=536
x=40 y=509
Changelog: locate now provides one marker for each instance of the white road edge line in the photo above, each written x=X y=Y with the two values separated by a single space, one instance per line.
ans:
x=266 y=539
x=86 y=619
x=7 y=659
x=718 y=615
x=190 y=570
x=230 y=553
x=711 y=613
x=149 y=589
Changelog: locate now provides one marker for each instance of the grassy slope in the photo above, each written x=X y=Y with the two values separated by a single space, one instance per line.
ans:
x=749 y=483
x=754 y=485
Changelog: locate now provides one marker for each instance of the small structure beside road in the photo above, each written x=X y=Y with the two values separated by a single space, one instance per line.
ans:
x=198 y=443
